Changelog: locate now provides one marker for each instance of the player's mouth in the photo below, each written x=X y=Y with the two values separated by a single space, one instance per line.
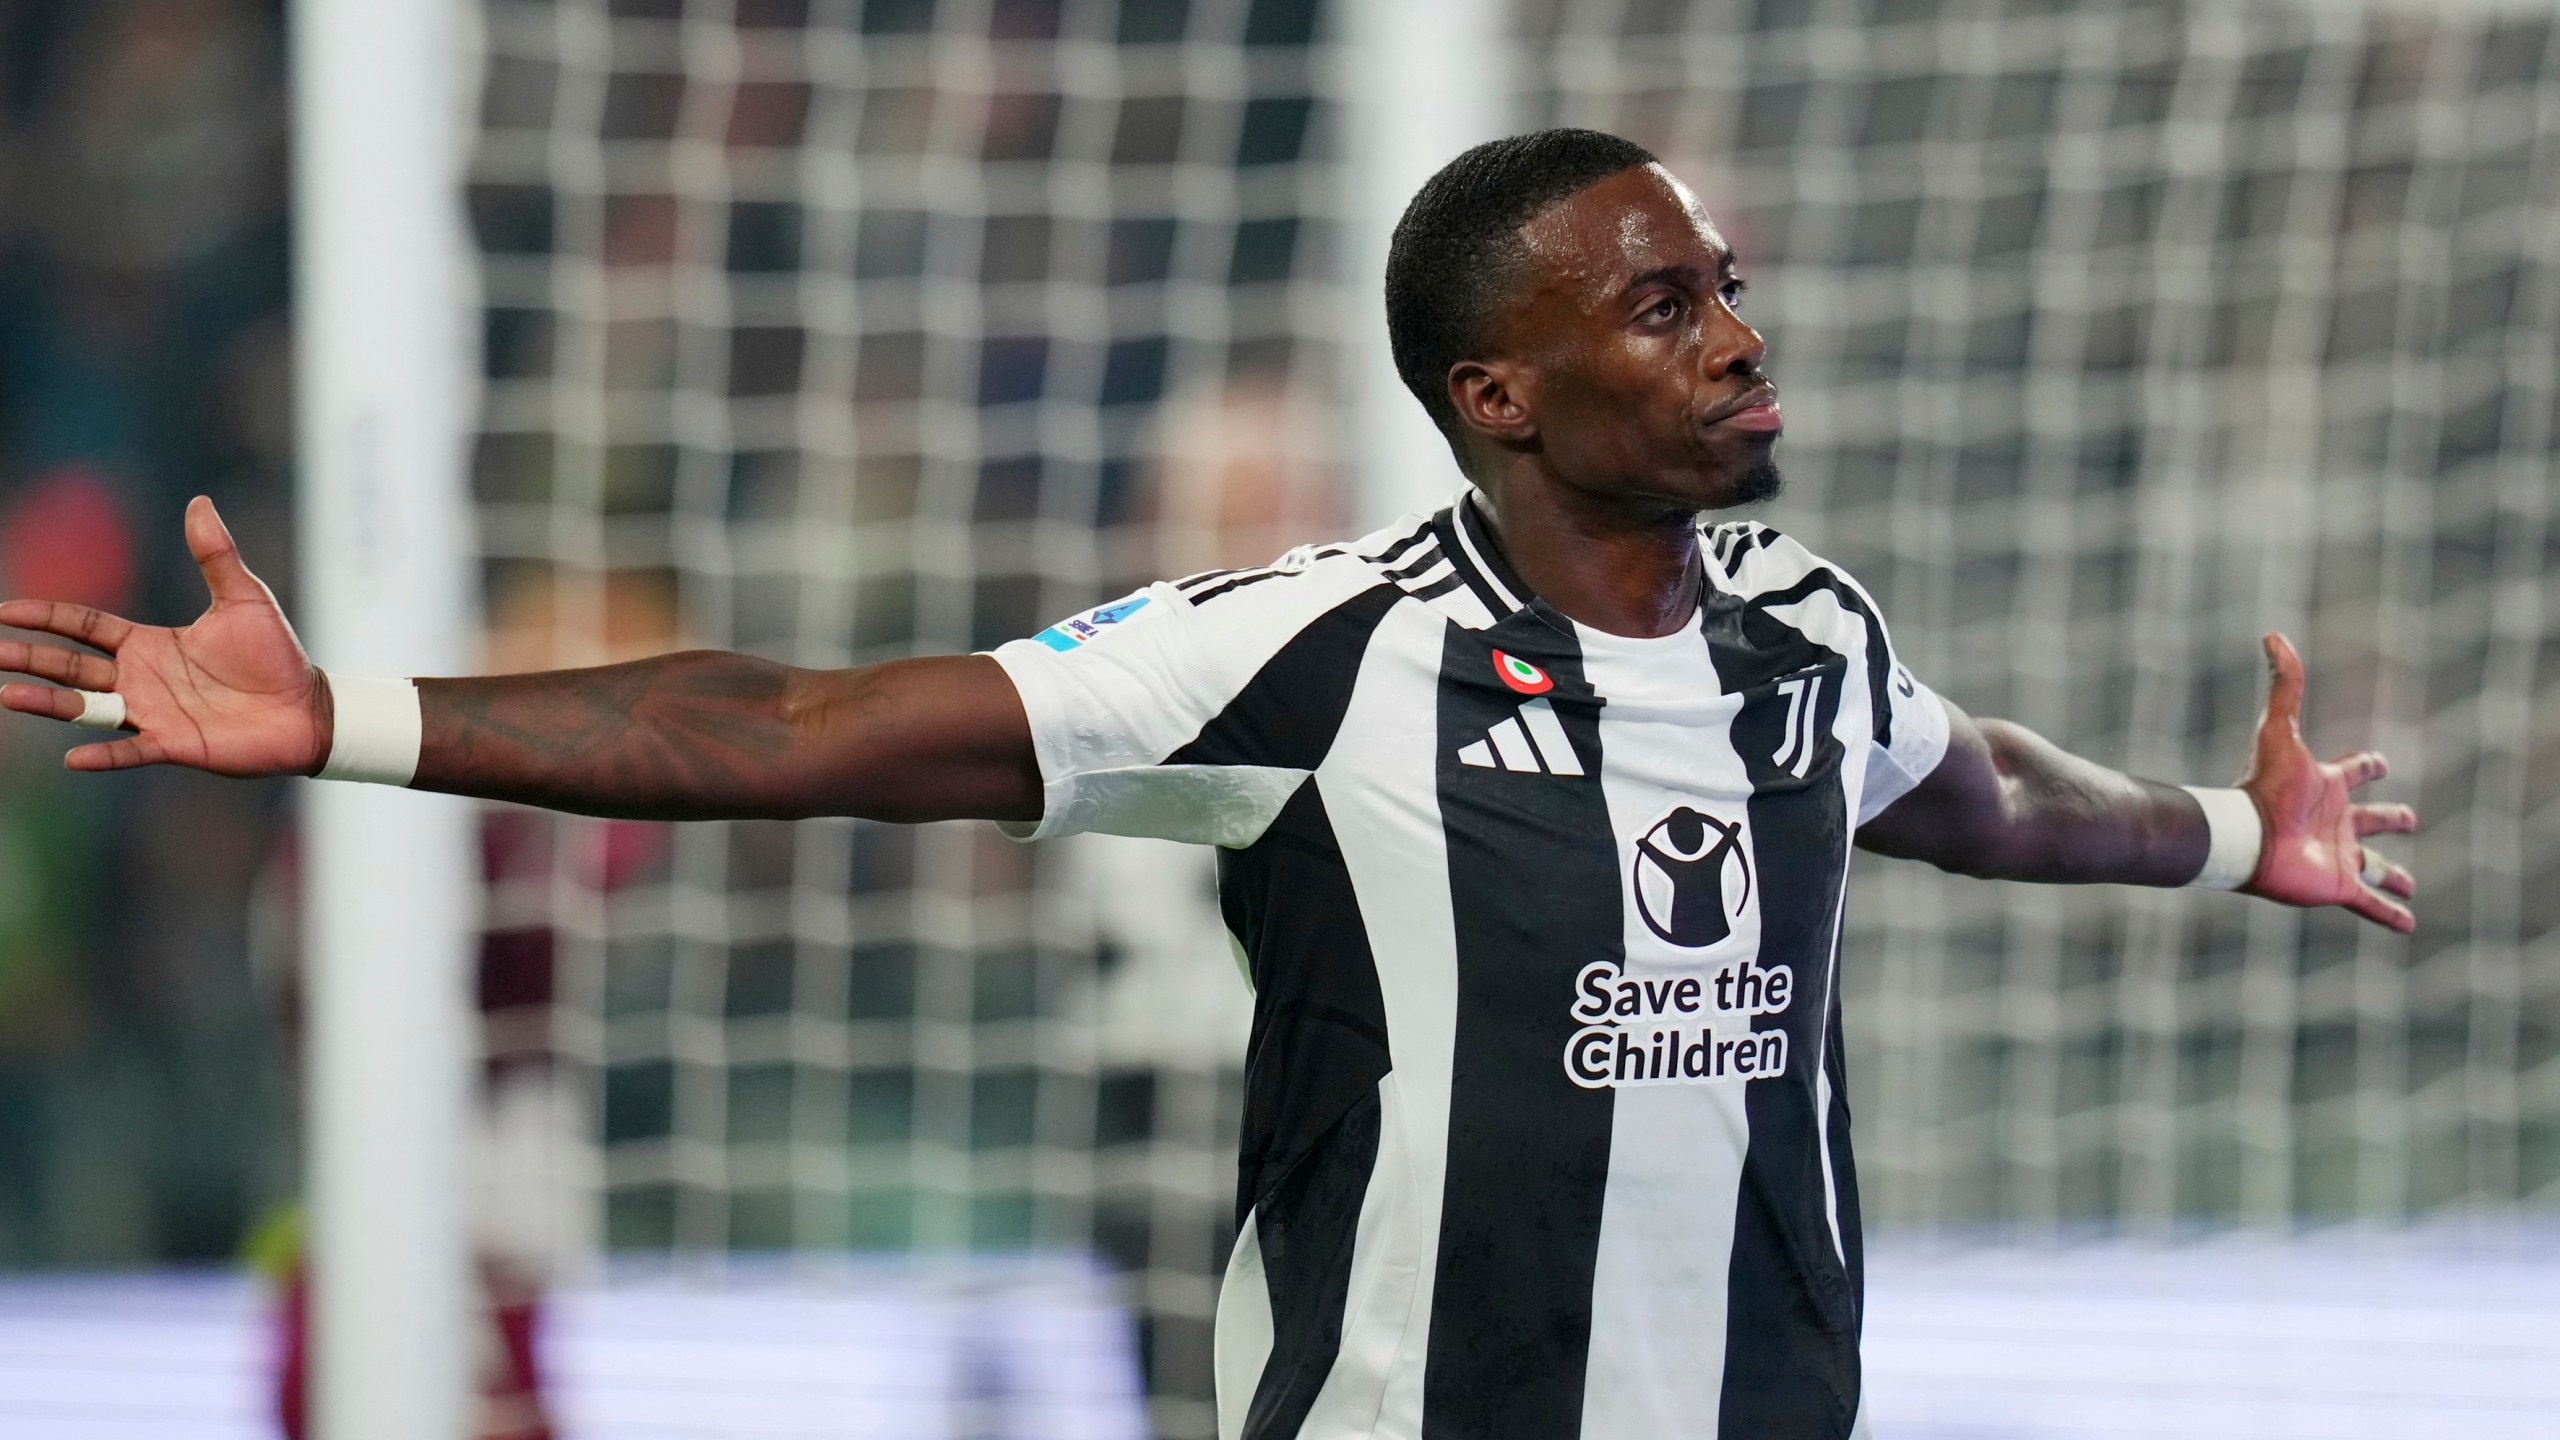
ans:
x=1753 y=409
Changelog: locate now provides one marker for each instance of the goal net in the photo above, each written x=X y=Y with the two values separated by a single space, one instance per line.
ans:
x=838 y=330
x=2113 y=335
x=842 y=330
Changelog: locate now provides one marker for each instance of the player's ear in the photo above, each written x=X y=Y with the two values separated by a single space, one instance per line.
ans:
x=1490 y=398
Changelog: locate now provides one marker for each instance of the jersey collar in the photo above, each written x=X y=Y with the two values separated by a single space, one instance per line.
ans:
x=1467 y=536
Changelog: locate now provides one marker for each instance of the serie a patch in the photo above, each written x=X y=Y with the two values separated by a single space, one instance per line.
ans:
x=1076 y=630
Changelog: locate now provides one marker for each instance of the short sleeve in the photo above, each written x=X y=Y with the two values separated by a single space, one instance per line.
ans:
x=1911 y=746
x=1123 y=698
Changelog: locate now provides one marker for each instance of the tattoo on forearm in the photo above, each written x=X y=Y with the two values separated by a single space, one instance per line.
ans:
x=709 y=735
x=679 y=737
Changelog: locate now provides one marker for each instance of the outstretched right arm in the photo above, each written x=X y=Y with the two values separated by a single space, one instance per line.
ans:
x=701 y=735
x=707 y=735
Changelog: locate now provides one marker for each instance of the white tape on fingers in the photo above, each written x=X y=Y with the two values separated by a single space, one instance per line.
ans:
x=2376 y=869
x=100 y=710
x=376 y=730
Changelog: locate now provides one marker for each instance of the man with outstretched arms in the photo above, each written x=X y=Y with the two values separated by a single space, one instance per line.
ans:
x=1535 y=817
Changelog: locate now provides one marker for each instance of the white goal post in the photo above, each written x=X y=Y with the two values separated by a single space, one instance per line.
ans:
x=382 y=294
x=1418 y=84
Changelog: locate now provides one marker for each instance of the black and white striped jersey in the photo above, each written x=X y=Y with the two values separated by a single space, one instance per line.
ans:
x=1544 y=1132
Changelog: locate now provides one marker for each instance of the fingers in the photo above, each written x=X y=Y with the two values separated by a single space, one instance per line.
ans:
x=209 y=540
x=62 y=667
x=94 y=628
x=2362 y=768
x=126 y=754
x=2370 y=904
x=2382 y=819
x=2284 y=683
x=43 y=700
x=2384 y=875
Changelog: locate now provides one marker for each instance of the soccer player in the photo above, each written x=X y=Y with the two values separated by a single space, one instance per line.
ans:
x=1534 y=819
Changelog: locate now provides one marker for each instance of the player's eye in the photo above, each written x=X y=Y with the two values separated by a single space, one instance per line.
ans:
x=1666 y=308
x=1732 y=292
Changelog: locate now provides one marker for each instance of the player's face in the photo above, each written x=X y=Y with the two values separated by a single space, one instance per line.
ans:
x=1628 y=360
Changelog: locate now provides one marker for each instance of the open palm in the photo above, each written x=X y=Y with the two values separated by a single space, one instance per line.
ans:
x=2314 y=852
x=232 y=693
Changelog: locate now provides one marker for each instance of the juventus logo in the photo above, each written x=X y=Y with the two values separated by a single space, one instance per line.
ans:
x=1679 y=877
x=1804 y=700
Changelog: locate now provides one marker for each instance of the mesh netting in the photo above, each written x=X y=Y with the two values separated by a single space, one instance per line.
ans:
x=835 y=332
x=2113 y=334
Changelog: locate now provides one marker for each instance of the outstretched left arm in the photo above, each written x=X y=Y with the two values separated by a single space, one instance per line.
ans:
x=2008 y=804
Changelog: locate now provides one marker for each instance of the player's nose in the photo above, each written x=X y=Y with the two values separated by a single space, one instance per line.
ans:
x=1733 y=348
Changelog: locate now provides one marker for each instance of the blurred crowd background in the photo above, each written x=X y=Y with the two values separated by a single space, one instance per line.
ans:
x=144 y=357
x=838 y=330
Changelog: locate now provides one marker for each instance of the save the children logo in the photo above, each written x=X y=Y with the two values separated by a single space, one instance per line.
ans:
x=1646 y=1023
x=1692 y=877
x=1680 y=1027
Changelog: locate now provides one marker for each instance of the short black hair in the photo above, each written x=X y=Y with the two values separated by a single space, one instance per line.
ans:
x=1458 y=246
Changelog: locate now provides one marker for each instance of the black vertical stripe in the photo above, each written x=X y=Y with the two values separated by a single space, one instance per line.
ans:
x=1319 y=1025
x=1319 y=1046
x=1844 y=1165
x=1791 y=1334
x=1289 y=712
x=1307 y=1225
x=1879 y=654
x=1311 y=1113
x=1534 y=888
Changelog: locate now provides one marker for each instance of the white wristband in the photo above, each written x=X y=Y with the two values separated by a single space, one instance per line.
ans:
x=2234 y=836
x=377 y=730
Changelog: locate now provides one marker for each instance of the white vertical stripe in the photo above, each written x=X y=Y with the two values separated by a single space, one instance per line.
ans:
x=1822 y=1114
x=1659 y=1299
x=1381 y=790
x=1812 y=712
x=1822 y=617
x=1554 y=746
x=1244 y=1331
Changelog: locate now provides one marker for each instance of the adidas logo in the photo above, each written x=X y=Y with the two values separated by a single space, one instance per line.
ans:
x=1532 y=742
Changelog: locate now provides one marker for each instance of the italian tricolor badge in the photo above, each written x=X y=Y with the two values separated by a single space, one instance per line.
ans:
x=1522 y=676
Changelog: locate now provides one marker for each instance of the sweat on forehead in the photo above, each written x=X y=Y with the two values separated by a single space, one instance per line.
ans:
x=1459 y=243
x=1615 y=231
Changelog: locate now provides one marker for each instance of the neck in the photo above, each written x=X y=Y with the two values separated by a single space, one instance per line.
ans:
x=1619 y=564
